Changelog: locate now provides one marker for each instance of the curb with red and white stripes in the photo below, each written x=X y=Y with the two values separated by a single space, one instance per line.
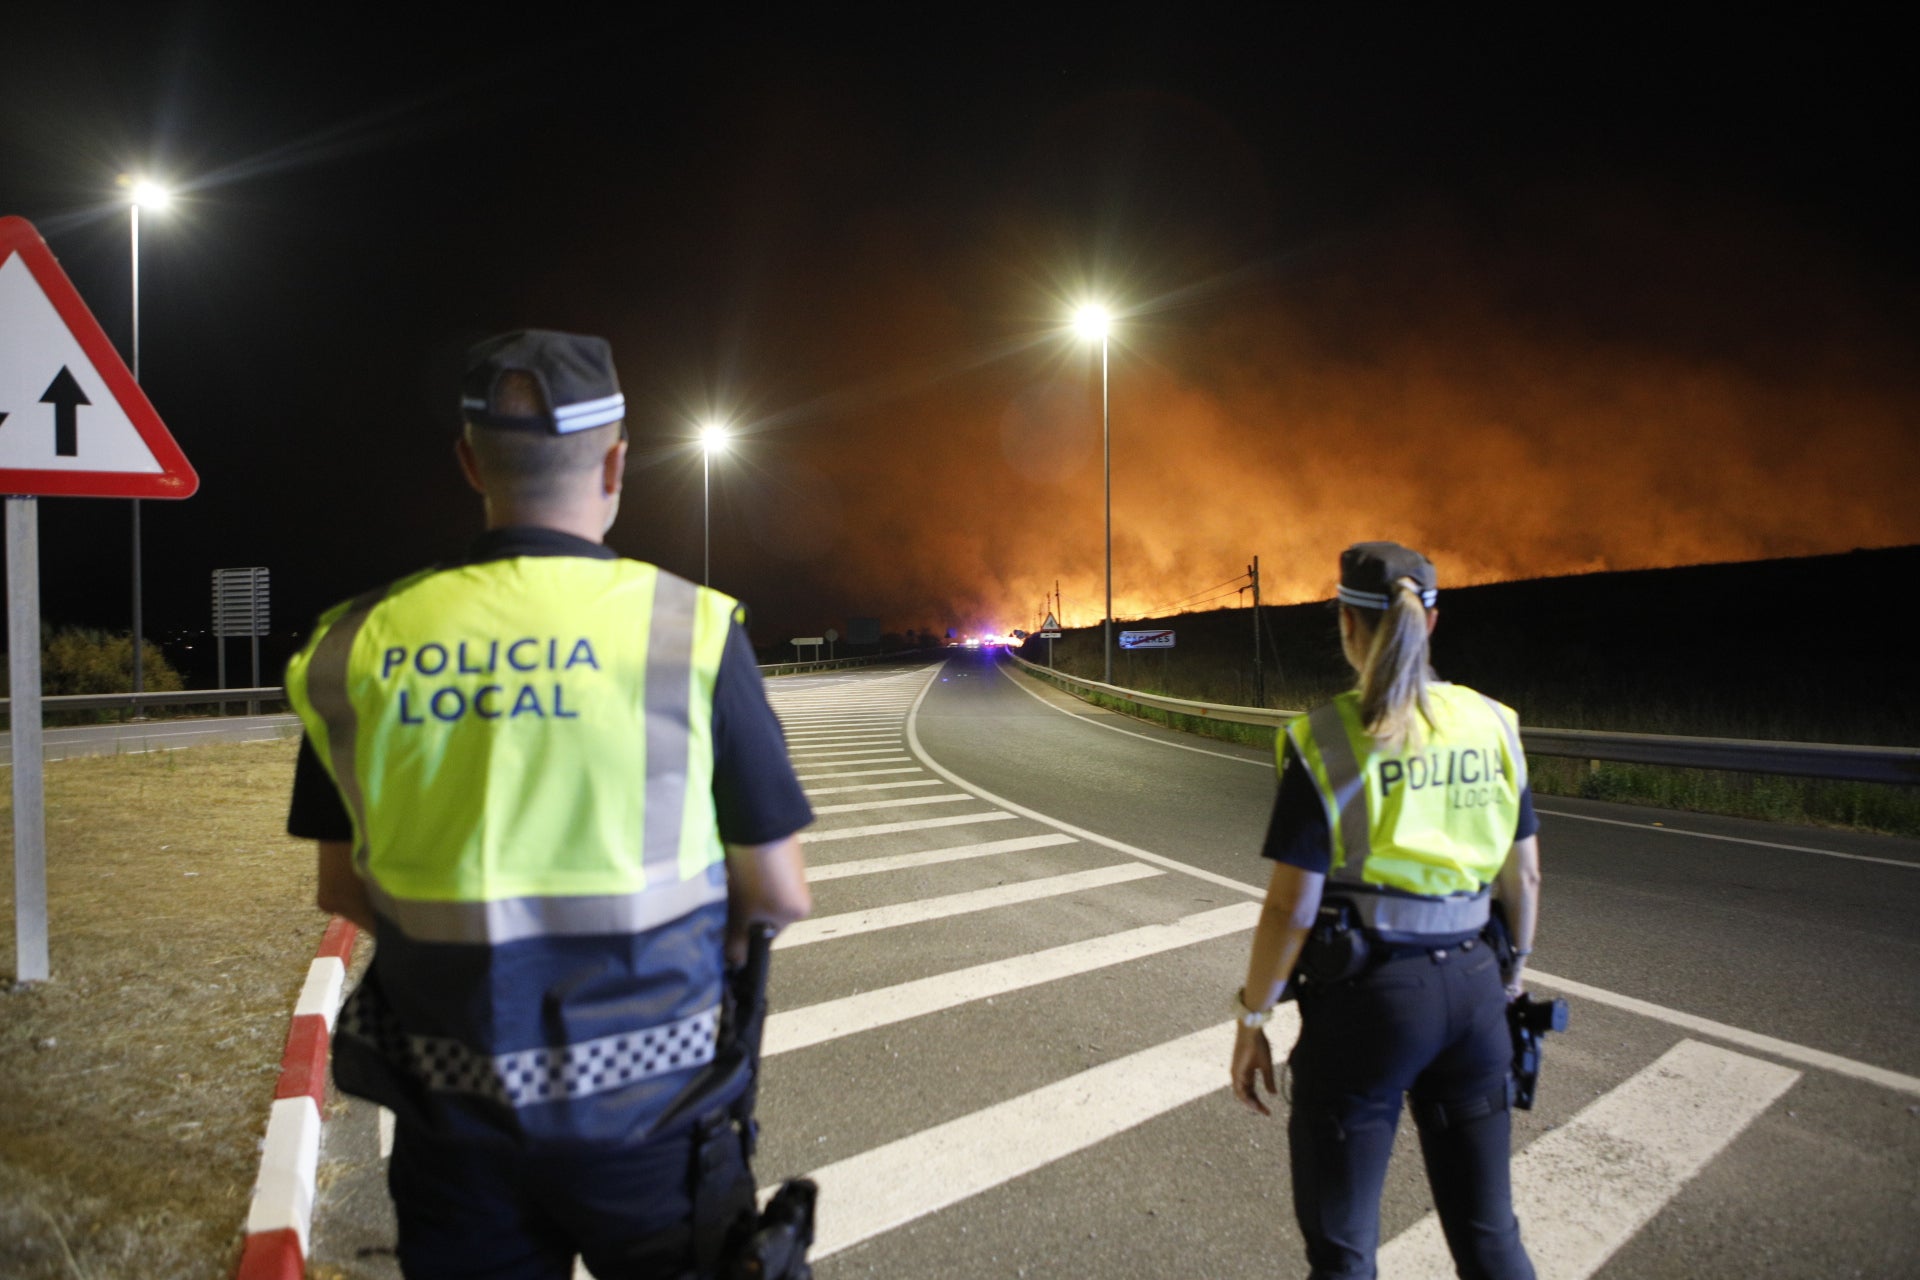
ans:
x=282 y=1212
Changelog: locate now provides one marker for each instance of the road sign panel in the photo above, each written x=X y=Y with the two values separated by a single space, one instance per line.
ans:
x=1050 y=624
x=1146 y=639
x=73 y=421
x=1048 y=635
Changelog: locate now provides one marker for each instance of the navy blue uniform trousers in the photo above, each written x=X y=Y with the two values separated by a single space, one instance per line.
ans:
x=1431 y=1024
x=500 y=1212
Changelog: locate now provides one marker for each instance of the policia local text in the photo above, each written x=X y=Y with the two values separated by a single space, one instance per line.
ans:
x=451 y=702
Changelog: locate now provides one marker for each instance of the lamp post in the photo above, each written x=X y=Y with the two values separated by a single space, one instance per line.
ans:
x=1094 y=321
x=713 y=439
x=142 y=193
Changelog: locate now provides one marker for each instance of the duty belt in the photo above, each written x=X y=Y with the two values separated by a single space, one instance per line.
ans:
x=1387 y=912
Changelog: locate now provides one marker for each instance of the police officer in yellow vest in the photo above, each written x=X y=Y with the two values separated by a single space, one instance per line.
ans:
x=547 y=780
x=1402 y=805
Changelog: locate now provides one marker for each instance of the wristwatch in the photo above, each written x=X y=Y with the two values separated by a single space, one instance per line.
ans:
x=1252 y=1019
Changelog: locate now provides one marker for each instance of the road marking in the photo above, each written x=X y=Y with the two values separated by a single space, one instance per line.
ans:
x=932 y=857
x=831 y=1019
x=1093 y=837
x=850 y=923
x=870 y=786
x=901 y=802
x=1264 y=761
x=1583 y=1190
x=814 y=755
x=1708 y=835
x=860 y=773
x=1735 y=1035
x=878 y=1190
x=811 y=837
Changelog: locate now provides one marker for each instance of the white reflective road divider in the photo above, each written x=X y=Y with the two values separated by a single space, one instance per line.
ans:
x=848 y=924
x=1584 y=1189
x=872 y=786
x=850 y=1015
x=280 y=1215
x=878 y=1190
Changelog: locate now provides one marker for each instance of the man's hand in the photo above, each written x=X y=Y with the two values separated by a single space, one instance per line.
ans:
x=1252 y=1062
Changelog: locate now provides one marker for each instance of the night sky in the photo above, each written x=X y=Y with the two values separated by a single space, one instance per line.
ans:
x=1540 y=290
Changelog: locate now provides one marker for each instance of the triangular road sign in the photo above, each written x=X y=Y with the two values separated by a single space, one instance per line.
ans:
x=73 y=421
x=1049 y=624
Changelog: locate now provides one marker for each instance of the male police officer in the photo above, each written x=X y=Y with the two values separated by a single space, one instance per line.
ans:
x=548 y=780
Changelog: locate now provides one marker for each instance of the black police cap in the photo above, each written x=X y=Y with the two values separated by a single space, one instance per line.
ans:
x=1368 y=571
x=574 y=372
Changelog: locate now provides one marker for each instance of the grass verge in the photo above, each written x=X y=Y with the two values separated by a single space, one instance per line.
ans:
x=137 y=1081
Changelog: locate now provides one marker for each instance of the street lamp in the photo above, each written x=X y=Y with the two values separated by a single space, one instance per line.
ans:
x=142 y=193
x=1090 y=322
x=713 y=439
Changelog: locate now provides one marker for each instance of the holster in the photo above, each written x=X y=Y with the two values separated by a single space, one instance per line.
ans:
x=723 y=1189
x=1337 y=948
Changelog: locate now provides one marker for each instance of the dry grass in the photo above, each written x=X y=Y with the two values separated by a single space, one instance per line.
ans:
x=135 y=1085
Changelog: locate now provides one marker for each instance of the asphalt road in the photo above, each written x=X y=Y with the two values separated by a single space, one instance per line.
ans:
x=139 y=736
x=1000 y=1044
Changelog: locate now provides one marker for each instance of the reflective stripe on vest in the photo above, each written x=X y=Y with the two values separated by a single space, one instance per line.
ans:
x=1405 y=913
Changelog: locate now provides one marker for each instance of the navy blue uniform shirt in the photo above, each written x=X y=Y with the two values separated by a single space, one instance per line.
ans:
x=755 y=793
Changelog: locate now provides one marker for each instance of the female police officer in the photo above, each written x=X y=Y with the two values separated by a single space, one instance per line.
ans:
x=1399 y=804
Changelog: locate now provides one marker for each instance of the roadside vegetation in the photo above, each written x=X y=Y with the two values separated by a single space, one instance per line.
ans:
x=1775 y=650
x=135 y=1085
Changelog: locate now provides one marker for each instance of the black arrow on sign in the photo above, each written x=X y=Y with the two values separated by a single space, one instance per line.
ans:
x=65 y=395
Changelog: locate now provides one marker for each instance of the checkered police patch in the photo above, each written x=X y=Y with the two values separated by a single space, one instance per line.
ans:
x=568 y=1071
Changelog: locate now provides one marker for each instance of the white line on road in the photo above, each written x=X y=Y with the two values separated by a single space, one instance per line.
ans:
x=878 y=1190
x=831 y=1019
x=849 y=923
x=932 y=857
x=1734 y=1035
x=814 y=755
x=902 y=802
x=1264 y=761
x=1583 y=1190
x=859 y=773
x=871 y=786
x=811 y=837
x=1709 y=835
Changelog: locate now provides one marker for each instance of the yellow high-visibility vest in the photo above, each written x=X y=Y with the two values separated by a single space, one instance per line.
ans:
x=1418 y=832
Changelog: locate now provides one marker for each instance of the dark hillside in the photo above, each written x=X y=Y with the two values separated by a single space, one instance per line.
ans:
x=1808 y=649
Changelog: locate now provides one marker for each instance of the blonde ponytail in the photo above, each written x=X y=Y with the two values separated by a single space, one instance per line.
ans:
x=1393 y=681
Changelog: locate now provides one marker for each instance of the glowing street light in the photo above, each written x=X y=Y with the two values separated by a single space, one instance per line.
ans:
x=1095 y=322
x=713 y=439
x=142 y=193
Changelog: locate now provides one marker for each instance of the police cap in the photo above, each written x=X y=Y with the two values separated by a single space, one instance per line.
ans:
x=573 y=371
x=1368 y=571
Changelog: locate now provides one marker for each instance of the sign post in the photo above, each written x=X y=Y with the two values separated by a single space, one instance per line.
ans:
x=240 y=609
x=1051 y=630
x=73 y=423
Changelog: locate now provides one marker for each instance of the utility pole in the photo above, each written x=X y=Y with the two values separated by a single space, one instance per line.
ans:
x=1259 y=672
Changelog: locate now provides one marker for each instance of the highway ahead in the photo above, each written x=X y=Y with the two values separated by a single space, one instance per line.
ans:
x=1001 y=1045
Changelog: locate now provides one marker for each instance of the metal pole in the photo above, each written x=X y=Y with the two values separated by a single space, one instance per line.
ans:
x=1106 y=464
x=29 y=793
x=139 y=666
x=1259 y=672
x=706 y=515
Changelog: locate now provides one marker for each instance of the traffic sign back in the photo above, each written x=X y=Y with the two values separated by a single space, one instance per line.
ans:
x=72 y=419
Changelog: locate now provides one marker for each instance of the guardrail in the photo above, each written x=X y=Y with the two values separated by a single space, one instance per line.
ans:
x=1739 y=755
x=133 y=702
x=138 y=701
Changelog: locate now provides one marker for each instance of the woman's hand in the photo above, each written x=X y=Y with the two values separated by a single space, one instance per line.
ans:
x=1252 y=1060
